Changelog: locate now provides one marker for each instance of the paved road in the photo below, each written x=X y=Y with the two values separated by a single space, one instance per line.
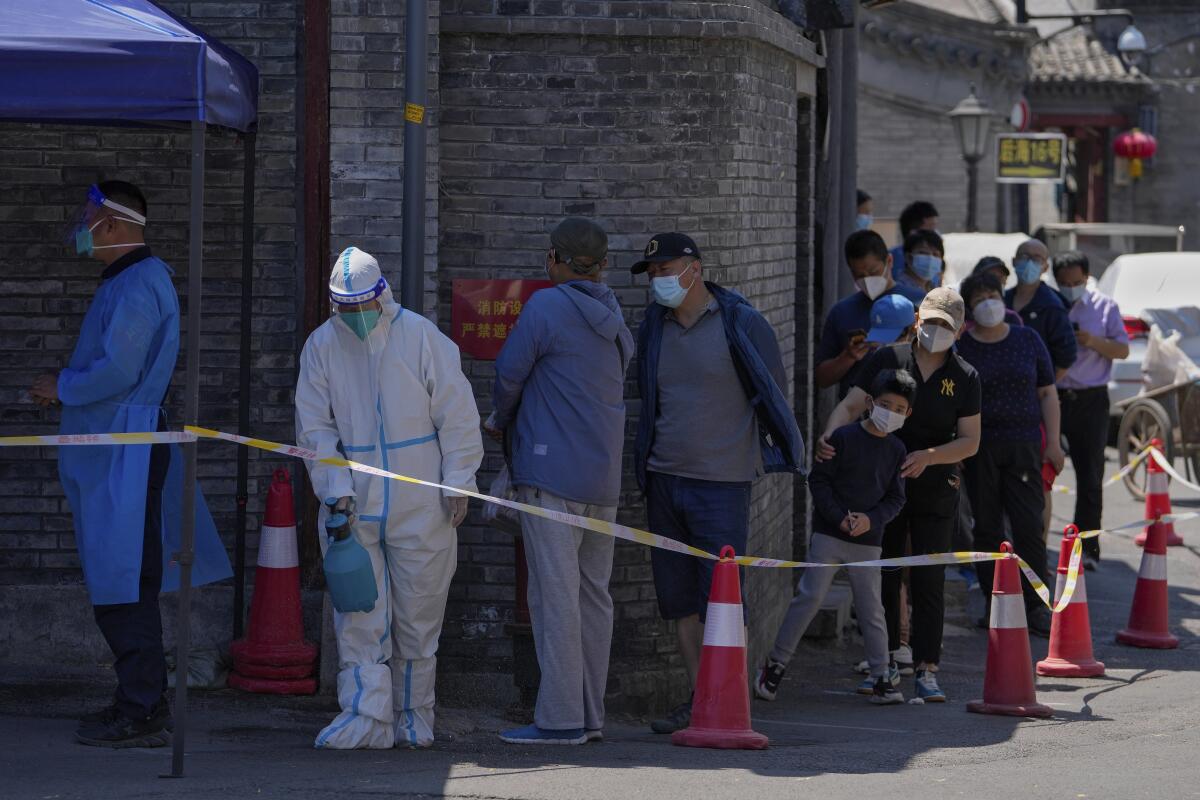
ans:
x=1131 y=734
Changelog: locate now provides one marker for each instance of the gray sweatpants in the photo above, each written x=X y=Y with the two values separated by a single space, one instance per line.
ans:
x=814 y=585
x=571 y=610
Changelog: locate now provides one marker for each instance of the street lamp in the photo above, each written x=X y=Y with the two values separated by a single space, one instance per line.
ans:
x=972 y=122
x=1131 y=45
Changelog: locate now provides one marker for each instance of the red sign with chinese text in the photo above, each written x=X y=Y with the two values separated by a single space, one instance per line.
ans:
x=483 y=312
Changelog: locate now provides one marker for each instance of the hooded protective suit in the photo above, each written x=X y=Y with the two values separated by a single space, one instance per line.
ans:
x=395 y=399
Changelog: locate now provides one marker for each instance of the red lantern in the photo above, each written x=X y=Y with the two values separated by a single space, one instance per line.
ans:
x=1135 y=145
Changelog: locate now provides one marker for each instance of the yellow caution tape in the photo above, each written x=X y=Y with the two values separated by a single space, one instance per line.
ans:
x=80 y=439
x=614 y=529
x=1072 y=578
x=1125 y=470
x=1170 y=470
x=634 y=534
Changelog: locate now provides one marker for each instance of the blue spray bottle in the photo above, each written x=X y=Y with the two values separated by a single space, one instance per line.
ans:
x=348 y=571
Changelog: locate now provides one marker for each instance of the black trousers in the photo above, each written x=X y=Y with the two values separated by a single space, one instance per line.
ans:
x=1005 y=479
x=134 y=630
x=1085 y=427
x=927 y=521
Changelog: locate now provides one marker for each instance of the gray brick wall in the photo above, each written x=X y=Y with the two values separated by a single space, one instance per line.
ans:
x=646 y=116
x=907 y=154
x=366 y=120
x=643 y=135
x=45 y=171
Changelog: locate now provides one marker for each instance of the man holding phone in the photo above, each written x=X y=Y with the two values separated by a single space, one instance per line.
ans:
x=843 y=343
x=1083 y=390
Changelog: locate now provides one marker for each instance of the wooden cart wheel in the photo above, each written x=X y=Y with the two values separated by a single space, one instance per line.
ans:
x=1189 y=428
x=1141 y=423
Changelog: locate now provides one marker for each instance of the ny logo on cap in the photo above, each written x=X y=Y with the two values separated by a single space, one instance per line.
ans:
x=652 y=248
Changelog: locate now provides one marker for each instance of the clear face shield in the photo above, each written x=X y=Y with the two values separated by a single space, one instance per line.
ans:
x=90 y=214
x=360 y=312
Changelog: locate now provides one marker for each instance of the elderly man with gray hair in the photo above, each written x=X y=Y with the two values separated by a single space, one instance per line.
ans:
x=560 y=380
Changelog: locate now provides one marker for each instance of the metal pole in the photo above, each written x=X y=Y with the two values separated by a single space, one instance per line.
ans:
x=412 y=277
x=243 y=462
x=972 y=194
x=191 y=415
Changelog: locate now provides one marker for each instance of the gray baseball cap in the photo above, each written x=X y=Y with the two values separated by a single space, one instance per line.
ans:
x=581 y=243
x=945 y=304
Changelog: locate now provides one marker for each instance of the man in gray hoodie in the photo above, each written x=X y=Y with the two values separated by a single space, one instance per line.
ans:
x=561 y=380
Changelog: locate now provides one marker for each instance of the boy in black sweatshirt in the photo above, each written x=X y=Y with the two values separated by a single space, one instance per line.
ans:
x=855 y=495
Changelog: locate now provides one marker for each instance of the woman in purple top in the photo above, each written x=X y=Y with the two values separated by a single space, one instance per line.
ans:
x=1004 y=478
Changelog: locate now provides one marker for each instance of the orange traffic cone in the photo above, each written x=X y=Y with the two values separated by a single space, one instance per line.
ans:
x=1070 y=629
x=721 y=704
x=1149 y=616
x=274 y=658
x=1008 y=681
x=1158 y=500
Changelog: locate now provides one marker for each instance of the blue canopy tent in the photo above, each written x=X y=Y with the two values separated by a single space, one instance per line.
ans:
x=129 y=62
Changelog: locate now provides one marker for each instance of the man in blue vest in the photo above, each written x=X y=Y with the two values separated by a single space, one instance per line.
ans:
x=715 y=415
x=123 y=498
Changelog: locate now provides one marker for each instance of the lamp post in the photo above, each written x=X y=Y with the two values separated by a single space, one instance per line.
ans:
x=972 y=122
x=1131 y=44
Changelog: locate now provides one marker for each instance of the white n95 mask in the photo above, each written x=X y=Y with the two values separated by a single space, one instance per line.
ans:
x=935 y=339
x=872 y=285
x=989 y=312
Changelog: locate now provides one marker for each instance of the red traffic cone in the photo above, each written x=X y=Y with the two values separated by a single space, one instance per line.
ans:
x=274 y=651
x=721 y=704
x=1070 y=629
x=1158 y=500
x=1008 y=681
x=1148 y=616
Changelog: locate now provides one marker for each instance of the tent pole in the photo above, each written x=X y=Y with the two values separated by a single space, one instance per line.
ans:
x=412 y=276
x=191 y=415
x=243 y=462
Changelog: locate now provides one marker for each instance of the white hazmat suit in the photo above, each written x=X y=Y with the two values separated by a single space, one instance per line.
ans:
x=395 y=399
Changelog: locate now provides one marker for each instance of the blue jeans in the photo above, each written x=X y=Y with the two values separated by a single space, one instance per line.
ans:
x=704 y=514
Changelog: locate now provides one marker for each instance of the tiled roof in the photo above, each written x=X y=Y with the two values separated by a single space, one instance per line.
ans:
x=1075 y=57
x=978 y=10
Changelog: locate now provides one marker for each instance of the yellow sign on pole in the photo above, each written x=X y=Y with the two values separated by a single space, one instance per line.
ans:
x=1031 y=157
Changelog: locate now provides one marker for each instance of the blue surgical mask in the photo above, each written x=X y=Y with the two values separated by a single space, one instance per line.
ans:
x=361 y=322
x=1073 y=293
x=926 y=267
x=85 y=243
x=668 y=291
x=863 y=221
x=1028 y=270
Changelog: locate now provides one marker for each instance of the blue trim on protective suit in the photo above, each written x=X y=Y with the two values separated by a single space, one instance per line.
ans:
x=387 y=503
x=346 y=269
x=408 y=714
x=323 y=739
x=410 y=442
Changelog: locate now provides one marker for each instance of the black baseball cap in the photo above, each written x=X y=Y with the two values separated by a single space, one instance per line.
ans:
x=665 y=247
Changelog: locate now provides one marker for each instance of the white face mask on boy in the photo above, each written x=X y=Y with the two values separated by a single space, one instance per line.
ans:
x=886 y=420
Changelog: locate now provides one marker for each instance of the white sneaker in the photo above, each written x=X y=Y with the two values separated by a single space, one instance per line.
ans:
x=868 y=685
x=902 y=655
x=928 y=689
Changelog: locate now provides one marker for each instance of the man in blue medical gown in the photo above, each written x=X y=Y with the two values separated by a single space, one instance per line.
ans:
x=116 y=382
